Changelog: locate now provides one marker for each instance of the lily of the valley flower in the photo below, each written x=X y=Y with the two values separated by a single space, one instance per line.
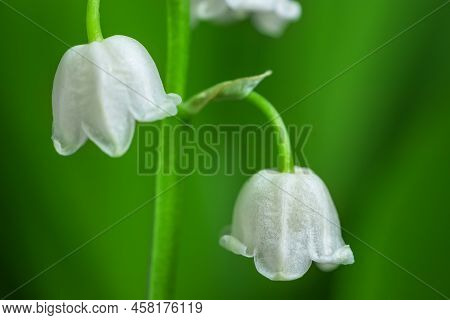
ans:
x=285 y=221
x=269 y=16
x=100 y=89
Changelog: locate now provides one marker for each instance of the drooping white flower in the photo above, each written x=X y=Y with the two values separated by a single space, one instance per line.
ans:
x=285 y=221
x=269 y=16
x=100 y=89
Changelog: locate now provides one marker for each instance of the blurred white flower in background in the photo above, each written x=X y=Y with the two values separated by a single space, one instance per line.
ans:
x=285 y=221
x=269 y=16
x=100 y=89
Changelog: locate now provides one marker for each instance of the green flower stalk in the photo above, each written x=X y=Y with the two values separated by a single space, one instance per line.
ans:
x=94 y=30
x=285 y=158
x=168 y=206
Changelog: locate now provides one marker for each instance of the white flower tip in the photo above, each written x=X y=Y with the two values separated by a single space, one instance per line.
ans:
x=283 y=272
x=174 y=99
x=342 y=256
x=64 y=151
x=346 y=255
x=327 y=267
x=234 y=245
x=289 y=10
x=281 y=276
x=115 y=152
x=166 y=108
x=203 y=11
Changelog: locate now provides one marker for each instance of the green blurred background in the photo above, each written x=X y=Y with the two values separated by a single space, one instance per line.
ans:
x=380 y=140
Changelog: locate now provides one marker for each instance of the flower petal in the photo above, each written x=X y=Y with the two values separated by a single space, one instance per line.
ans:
x=266 y=222
x=208 y=9
x=254 y=5
x=270 y=23
x=67 y=94
x=275 y=268
x=137 y=71
x=325 y=239
x=289 y=10
x=106 y=119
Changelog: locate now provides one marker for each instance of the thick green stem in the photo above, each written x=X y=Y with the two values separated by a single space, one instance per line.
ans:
x=94 y=30
x=178 y=28
x=168 y=207
x=285 y=158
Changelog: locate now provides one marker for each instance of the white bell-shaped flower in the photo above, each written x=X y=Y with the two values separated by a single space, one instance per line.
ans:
x=285 y=221
x=100 y=89
x=269 y=16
